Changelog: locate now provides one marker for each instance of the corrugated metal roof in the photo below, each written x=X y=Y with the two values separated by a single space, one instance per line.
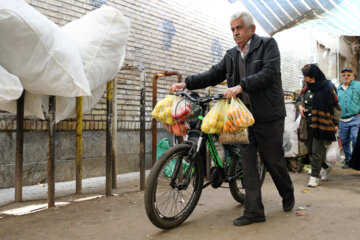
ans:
x=338 y=17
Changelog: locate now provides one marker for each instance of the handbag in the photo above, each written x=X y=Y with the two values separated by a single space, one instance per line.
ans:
x=302 y=128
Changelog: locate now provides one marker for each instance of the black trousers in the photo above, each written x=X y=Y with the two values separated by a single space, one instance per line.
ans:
x=355 y=156
x=268 y=138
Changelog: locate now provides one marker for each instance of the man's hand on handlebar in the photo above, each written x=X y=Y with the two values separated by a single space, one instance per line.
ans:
x=233 y=91
x=177 y=86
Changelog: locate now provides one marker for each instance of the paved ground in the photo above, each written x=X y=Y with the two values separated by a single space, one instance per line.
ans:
x=332 y=211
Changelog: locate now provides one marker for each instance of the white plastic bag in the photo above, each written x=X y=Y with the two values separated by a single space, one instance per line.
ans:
x=297 y=121
x=333 y=152
x=39 y=53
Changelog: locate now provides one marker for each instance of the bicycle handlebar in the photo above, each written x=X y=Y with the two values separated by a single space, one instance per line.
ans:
x=200 y=100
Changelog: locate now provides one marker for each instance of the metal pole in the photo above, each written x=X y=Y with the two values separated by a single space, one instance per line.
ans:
x=51 y=152
x=338 y=59
x=109 y=96
x=142 y=121
x=142 y=130
x=19 y=148
x=154 y=122
x=79 y=126
x=208 y=156
x=114 y=136
x=154 y=98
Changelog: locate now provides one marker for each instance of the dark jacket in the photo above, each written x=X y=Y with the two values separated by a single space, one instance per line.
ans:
x=262 y=82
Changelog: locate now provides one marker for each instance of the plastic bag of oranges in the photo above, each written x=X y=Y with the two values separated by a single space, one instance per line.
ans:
x=163 y=109
x=237 y=117
x=213 y=122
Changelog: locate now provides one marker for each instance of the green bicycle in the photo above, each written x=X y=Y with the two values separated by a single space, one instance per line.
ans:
x=169 y=200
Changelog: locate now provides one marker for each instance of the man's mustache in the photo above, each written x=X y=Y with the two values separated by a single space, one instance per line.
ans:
x=237 y=36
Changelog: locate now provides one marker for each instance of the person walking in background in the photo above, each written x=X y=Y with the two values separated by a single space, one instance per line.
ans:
x=319 y=105
x=252 y=71
x=349 y=97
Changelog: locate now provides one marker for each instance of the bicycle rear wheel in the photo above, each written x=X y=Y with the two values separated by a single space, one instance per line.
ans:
x=171 y=198
x=236 y=186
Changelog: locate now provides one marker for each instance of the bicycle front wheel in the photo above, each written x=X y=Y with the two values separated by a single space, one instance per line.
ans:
x=236 y=186
x=173 y=187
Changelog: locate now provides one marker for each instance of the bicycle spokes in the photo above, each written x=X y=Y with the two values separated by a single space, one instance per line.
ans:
x=174 y=194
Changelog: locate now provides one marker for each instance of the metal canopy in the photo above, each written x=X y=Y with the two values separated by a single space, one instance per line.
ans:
x=337 y=17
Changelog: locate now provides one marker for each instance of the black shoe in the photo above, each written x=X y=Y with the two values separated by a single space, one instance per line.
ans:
x=346 y=166
x=242 y=221
x=288 y=203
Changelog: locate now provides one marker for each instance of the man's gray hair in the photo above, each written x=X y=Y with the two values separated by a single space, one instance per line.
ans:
x=245 y=16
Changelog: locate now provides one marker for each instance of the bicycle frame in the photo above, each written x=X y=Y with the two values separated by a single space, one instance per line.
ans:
x=212 y=149
x=209 y=142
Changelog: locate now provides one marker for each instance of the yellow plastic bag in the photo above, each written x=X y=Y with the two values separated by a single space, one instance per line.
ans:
x=237 y=117
x=213 y=122
x=163 y=109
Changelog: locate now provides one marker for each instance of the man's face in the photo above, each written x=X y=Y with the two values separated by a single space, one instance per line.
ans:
x=241 y=33
x=346 y=77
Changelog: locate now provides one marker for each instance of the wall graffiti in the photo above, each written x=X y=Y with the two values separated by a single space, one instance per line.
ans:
x=97 y=3
x=168 y=29
x=217 y=51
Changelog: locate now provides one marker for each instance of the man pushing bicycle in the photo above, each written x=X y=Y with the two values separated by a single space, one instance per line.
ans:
x=252 y=71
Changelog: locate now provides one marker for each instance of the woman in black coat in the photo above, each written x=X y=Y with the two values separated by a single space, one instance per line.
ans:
x=319 y=106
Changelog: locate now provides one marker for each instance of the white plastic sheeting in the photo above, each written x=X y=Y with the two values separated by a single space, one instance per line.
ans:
x=32 y=106
x=39 y=53
x=100 y=38
x=10 y=86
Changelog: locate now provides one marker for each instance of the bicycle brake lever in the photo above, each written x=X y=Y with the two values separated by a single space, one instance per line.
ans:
x=218 y=96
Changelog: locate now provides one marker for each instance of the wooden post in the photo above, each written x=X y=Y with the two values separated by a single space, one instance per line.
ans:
x=109 y=114
x=79 y=127
x=142 y=130
x=51 y=152
x=114 y=136
x=19 y=148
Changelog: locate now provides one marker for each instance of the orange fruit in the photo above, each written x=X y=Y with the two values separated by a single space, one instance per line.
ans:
x=230 y=113
x=239 y=122
x=225 y=128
